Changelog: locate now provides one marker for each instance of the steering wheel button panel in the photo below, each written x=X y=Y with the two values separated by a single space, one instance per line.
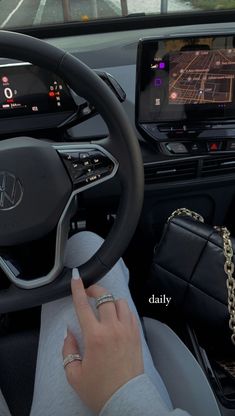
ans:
x=87 y=167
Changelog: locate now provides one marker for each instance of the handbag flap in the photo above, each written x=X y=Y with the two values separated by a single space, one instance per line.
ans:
x=192 y=251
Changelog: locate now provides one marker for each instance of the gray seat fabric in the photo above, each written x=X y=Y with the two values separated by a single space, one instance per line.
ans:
x=185 y=381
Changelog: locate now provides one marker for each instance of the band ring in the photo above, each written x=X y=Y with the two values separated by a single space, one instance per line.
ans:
x=108 y=297
x=70 y=358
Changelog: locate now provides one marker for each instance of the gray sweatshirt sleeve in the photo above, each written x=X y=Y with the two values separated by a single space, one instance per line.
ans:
x=138 y=397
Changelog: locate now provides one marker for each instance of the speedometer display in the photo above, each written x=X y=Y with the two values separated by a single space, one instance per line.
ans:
x=27 y=89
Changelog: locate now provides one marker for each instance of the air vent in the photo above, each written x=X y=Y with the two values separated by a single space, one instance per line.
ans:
x=171 y=172
x=223 y=165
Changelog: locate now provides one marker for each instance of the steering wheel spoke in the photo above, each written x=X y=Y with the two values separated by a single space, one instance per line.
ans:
x=88 y=165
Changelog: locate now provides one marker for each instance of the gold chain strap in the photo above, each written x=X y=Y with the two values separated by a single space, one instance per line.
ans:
x=229 y=270
x=228 y=265
x=188 y=212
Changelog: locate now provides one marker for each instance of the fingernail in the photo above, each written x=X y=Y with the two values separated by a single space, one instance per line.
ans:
x=65 y=333
x=75 y=274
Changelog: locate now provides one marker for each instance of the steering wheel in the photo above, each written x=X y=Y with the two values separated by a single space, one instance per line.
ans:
x=40 y=180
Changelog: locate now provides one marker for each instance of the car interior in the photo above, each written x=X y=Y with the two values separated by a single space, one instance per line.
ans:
x=110 y=126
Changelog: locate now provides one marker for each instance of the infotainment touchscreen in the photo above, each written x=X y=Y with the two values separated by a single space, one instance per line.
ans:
x=201 y=77
x=27 y=89
x=186 y=79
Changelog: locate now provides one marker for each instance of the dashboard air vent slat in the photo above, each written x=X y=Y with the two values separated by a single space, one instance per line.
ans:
x=223 y=165
x=170 y=172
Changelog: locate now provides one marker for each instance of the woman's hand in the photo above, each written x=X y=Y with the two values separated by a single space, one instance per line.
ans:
x=112 y=344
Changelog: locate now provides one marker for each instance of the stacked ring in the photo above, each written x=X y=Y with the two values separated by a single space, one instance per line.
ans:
x=70 y=358
x=108 y=297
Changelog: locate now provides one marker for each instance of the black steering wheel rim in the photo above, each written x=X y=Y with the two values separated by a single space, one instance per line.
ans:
x=124 y=144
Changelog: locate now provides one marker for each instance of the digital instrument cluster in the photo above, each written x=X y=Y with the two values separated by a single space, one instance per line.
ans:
x=26 y=89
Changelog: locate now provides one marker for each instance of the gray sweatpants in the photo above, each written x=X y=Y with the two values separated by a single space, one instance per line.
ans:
x=53 y=396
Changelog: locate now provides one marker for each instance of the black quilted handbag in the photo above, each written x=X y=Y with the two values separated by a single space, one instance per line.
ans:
x=194 y=264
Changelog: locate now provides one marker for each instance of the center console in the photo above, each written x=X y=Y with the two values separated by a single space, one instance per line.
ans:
x=185 y=93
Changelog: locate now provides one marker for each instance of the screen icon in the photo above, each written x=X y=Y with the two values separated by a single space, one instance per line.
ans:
x=157 y=82
x=157 y=101
x=154 y=66
x=162 y=65
x=173 y=95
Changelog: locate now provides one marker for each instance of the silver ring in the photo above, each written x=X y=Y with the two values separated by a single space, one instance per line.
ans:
x=70 y=358
x=108 y=297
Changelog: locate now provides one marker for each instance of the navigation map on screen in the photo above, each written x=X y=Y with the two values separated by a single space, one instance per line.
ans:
x=202 y=77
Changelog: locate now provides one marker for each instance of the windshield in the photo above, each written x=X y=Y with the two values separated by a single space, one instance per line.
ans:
x=25 y=13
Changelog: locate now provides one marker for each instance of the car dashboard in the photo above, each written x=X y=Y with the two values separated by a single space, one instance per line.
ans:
x=183 y=139
x=184 y=143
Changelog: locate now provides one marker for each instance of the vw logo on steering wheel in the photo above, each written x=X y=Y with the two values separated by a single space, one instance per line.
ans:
x=11 y=191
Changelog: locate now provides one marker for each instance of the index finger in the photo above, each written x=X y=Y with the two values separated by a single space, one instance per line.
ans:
x=85 y=314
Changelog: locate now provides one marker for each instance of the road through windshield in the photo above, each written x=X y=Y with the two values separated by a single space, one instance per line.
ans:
x=25 y=13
